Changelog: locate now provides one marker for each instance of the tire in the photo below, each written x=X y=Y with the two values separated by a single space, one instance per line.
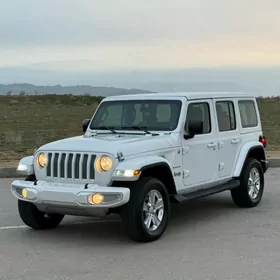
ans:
x=243 y=195
x=134 y=215
x=34 y=218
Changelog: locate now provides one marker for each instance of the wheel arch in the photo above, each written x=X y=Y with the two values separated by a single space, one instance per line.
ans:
x=250 y=150
x=162 y=172
x=154 y=166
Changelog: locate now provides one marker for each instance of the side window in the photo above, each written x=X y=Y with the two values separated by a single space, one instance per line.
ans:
x=225 y=115
x=248 y=113
x=199 y=112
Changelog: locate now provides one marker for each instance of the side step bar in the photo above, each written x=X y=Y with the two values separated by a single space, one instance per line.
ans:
x=205 y=192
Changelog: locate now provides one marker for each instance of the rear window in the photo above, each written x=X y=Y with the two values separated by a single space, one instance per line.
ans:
x=248 y=113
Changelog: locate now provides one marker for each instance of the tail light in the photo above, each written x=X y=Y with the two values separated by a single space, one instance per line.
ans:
x=262 y=139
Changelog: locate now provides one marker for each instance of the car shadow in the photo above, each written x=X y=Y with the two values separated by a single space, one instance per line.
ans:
x=110 y=230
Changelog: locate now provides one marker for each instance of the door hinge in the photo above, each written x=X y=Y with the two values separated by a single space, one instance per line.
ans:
x=221 y=145
x=186 y=173
x=185 y=151
x=221 y=166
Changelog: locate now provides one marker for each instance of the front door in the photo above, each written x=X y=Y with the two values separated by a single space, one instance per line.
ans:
x=200 y=161
x=229 y=141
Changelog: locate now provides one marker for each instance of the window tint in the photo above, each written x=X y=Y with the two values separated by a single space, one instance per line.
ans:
x=248 y=113
x=225 y=115
x=149 y=114
x=199 y=112
x=112 y=115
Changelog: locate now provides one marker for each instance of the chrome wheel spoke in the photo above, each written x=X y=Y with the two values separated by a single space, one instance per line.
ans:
x=251 y=191
x=153 y=198
x=256 y=188
x=156 y=220
x=153 y=210
x=148 y=221
x=145 y=207
x=254 y=183
x=159 y=204
x=149 y=200
x=257 y=179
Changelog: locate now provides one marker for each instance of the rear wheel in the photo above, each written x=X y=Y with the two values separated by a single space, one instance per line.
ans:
x=146 y=215
x=250 y=191
x=33 y=217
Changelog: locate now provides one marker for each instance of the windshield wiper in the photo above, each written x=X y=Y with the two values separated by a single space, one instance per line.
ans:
x=142 y=128
x=105 y=127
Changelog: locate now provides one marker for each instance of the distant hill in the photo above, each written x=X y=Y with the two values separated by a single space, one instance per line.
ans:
x=58 y=89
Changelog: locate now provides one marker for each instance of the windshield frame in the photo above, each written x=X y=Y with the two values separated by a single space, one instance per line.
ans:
x=175 y=100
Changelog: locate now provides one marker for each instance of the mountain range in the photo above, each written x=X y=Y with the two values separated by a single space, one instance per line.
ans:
x=58 y=89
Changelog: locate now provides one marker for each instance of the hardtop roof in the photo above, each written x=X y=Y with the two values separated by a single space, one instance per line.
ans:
x=188 y=95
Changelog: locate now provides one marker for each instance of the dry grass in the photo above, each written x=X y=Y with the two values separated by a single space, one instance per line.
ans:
x=26 y=122
x=30 y=121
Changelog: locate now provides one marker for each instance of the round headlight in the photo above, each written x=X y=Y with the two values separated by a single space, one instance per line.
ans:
x=42 y=160
x=103 y=163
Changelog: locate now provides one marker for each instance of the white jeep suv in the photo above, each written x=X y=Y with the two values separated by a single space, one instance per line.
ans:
x=139 y=153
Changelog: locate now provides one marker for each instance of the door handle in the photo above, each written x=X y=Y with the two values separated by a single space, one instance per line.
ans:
x=212 y=145
x=235 y=141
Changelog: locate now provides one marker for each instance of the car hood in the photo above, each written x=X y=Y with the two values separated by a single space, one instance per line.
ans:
x=128 y=144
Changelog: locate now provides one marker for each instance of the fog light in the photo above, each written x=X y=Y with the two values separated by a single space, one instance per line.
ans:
x=24 y=193
x=95 y=198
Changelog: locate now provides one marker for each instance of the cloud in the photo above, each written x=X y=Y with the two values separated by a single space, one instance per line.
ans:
x=237 y=50
x=51 y=22
x=125 y=34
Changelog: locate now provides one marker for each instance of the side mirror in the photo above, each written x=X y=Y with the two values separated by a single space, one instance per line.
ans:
x=195 y=127
x=85 y=124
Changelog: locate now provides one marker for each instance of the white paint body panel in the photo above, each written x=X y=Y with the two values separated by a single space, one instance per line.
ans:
x=200 y=161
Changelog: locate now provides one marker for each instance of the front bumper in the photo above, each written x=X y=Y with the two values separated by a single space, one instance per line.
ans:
x=69 y=195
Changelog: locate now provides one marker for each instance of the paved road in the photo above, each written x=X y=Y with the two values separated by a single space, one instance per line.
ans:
x=207 y=239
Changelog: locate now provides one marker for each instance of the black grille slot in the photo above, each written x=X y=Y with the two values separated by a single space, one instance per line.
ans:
x=91 y=168
x=69 y=166
x=55 y=165
x=62 y=165
x=49 y=164
x=77 y=166
x=84 y=167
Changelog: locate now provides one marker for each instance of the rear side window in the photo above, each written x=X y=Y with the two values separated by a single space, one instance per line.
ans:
x=248 y=113
x=225 y=115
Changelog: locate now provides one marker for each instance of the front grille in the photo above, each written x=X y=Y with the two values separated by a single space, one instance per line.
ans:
x=77 y=166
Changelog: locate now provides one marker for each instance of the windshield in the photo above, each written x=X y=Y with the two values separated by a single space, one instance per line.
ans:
x=128 y=114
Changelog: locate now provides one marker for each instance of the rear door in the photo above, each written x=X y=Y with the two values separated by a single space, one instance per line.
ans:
x=229 y=140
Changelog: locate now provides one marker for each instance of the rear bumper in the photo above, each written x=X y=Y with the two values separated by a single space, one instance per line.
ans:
x=69 y=195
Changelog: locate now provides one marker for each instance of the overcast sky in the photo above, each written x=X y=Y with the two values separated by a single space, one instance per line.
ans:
x=126 y=34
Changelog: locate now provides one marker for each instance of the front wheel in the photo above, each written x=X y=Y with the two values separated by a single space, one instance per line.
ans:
x=36 y=219
x=146 y=215
x=250 y=191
